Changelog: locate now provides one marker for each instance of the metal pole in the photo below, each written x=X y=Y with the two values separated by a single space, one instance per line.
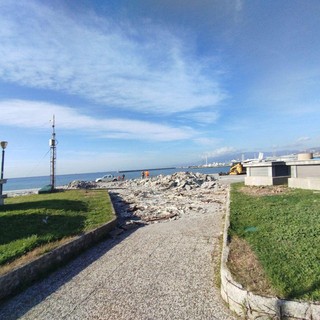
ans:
x=53 y=156
x=2 y=166
x=53 y=159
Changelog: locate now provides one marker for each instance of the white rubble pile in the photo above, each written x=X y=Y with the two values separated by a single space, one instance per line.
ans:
x=78 y=184
x=179 y=181
x=165 y=198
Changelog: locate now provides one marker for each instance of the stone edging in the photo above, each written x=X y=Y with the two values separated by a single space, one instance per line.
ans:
x=19 y=278
x=252 y=306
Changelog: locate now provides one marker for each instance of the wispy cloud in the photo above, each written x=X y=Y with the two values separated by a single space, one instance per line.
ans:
x=224 y=151
x=207 y=141
x=148 y=71
x=36 y=115
x=202 y=117
x=303 y=139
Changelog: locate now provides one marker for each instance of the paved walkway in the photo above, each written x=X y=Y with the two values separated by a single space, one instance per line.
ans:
x=160 y=271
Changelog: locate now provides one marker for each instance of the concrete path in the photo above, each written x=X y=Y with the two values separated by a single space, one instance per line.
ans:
x=160 y=271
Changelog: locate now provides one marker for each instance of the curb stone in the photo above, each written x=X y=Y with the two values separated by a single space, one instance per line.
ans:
x=253 y=306
x=23 y=276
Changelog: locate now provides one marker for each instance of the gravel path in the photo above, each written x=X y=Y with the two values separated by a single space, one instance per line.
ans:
x=158 y=271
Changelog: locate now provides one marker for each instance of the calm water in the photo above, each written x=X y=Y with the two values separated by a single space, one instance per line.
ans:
x=39 y=182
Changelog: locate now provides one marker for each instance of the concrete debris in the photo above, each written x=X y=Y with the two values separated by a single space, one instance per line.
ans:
x=160 y=198
x=77 y=184
x=165 y=198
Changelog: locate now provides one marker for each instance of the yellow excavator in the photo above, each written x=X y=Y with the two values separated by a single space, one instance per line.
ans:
x=237 y=168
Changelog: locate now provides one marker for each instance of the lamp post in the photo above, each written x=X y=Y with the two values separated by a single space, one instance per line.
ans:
x=3 y=146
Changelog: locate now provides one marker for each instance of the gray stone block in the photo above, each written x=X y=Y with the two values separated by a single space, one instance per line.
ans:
x=259 y=306
x=296 y=309
x=315 y=311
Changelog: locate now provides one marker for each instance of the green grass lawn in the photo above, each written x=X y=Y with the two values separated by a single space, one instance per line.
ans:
x=283 y=230
x=27 y=222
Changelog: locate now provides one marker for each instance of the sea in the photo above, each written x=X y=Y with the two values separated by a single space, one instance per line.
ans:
x=27 y=183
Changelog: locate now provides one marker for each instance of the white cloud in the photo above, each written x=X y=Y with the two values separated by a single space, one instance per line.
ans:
x=221 y=152
x=303 y=139
x=36 y=115
x=147 y=71
x=205 y=117
x=207 y=141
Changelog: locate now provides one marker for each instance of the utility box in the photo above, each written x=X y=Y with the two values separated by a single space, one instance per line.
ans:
x=267 y=173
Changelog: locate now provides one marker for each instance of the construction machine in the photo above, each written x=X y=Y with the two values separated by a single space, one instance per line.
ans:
x=237 y=168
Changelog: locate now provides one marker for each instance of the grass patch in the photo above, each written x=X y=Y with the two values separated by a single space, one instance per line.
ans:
x=28 y=222
x=283 y=232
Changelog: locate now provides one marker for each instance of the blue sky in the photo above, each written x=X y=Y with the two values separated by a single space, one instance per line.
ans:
x=143 y=83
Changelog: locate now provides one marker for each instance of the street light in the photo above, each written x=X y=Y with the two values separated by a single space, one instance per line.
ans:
x=3 y=146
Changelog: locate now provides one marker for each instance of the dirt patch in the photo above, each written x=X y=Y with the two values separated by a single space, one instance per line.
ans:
x=246 y=269
x=264 y=190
